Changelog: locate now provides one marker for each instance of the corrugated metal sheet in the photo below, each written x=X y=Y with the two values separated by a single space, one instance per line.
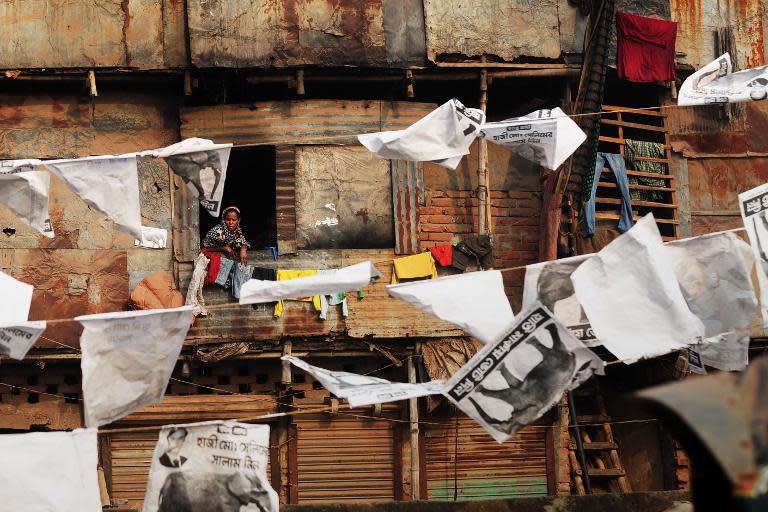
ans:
x=299 y=122
x=380 y=315
x=699 y=21
x=343 y=198
x=269 y=33
x=407 y=196
x=131 y=459
x=344 y=459
x=473 y=466
x=508 y=30
x=144 y=34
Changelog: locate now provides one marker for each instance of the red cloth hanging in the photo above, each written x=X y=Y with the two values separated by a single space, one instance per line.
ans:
x=213 y=267
x=443 y=254
x=646 y=48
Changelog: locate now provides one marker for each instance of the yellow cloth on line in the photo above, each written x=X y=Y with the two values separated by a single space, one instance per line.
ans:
x=284 y=275
x=413 y=267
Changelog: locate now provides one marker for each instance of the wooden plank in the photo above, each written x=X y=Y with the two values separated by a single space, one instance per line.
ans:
x=615 y=216
x=642 y=174
x=652 y=113
x=607 y=184
x=636 y=126
x=649 y=204
x=651 y=159
x=600 y=445
x=614 y=140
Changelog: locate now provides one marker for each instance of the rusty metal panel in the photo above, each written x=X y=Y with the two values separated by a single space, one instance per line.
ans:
x=698 y=24
x=464 y=463
x=407 y=196
x=118 y=33
x=175 y=43
x=343 y=199
x=298 y=122
x=269 y=33
x=69 y=283
x=508 y=30
x=381 y=316
x=404 y=31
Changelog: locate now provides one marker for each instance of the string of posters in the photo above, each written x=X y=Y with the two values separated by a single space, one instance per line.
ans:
x=638 y=298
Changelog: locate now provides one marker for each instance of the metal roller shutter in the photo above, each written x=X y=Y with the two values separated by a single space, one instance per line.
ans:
x=475 y=466
x=344 y=460
x=131 y=457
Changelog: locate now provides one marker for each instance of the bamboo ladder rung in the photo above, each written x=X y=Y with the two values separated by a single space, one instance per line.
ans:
x=649 y=204
x=608 y=184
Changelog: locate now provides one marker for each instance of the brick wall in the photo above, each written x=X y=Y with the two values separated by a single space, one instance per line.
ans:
x=449 y=216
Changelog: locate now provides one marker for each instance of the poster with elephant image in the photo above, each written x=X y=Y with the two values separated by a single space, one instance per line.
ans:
x=514 y=381
x=212 y=466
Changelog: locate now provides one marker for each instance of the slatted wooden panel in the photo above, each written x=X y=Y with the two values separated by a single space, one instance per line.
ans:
x=345 y=460
x=285 y=200
x=643 y=125
x=475 y=466
x=131 y=458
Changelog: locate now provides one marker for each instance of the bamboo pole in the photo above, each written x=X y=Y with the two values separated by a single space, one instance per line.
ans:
x=413 y=413
x=483 y=180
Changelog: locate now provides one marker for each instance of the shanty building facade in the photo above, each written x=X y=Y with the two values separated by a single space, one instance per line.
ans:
x=291 y=83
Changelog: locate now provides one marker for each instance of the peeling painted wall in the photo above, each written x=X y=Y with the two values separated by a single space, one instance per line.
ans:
x=343 y=199
x=258 y=33
x=143 y=34
x=699 y=21
x=506 y=29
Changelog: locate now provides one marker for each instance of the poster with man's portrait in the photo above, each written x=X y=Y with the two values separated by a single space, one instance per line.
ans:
x=214 y=466
x=550 y=283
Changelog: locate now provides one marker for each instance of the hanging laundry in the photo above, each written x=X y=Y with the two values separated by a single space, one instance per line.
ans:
x=128 y=358
x=717 y=83
x=195 y=290
x=334 y=299
x=214 y=265
x=754 y=212
x=443 y=254
x=282 y=275
x=16 y=338
x=210 y=466
x=476 y=250
x=152 y=238
x=25 y=191
x=645 y=48
x=264 y=274
x=715 y=276
x=109 y=184
x=632 y=298
x=635 y=154
x=443 y=136
x=50 y=471
x=550 y=283
x=619 y=169
x=418 y=266
x=202 y=165
x=475 y=302
x=362 y=390
x=513 y=381
x=306 y=283
x=546 y=137
x=157 y=291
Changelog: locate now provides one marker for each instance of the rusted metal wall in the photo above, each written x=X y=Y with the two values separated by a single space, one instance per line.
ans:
x=142 y=34
x=506 y=30
x=89 y=266
x=343 y=199
x=299 y=122
x=700 y=20
x=267 y=33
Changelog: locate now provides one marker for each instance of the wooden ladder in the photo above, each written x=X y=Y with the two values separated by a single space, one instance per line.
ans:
x=606 y=473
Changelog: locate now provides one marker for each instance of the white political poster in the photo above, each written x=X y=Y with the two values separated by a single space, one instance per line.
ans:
x=346 y=279
x=754 y=211
x=631 y=295
x=16 y=338
x=50 y=472
x=210 y=467
x=17 y=299
x=546 y=137
x=550 y=283
x=717 y=83
x=25 y=192
x=202 y=164
x=443 y=136
x=362 y=390
x=512 y=382
x=109 y=184
x=128 y=358
x=475 y=302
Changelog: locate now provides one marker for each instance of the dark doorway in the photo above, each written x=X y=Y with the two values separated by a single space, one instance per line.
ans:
x=250 y=186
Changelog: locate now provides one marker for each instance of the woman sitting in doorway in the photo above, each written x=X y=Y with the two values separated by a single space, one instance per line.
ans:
x=227 y=238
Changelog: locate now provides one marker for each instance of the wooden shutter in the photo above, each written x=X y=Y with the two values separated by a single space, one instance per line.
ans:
x=407 y=196
x=344 y=460
x=473 y=466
